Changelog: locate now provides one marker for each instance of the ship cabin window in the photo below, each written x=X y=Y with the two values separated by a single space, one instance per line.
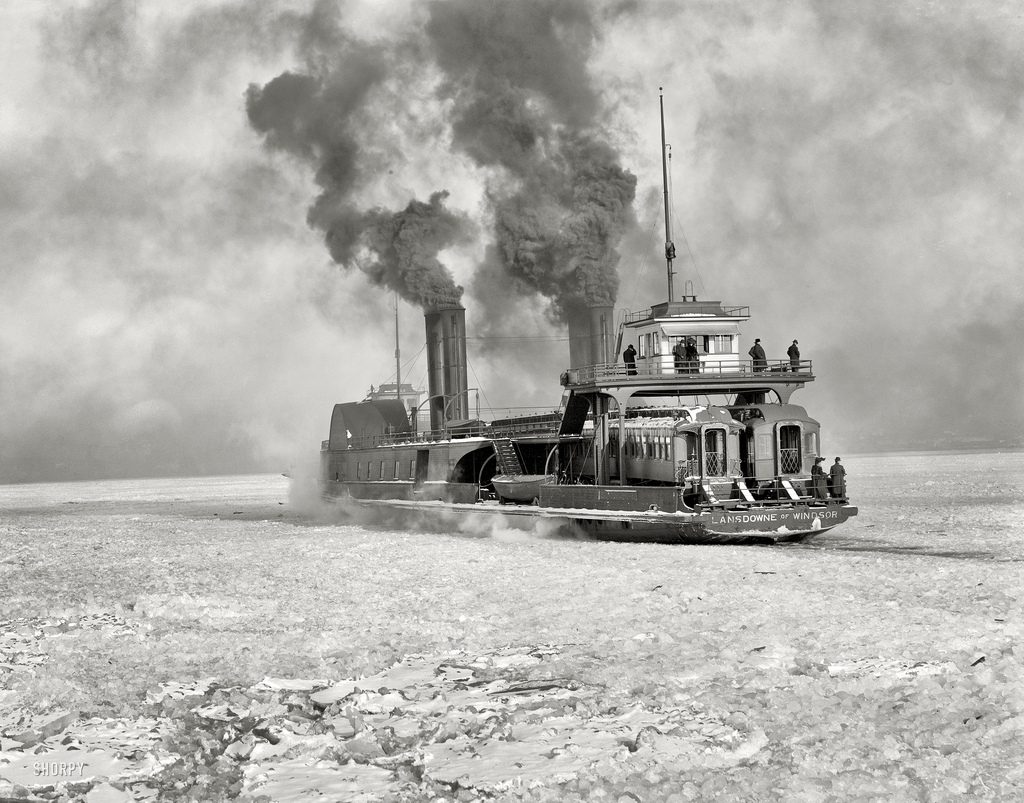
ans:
x=412 y=468
x=714 y=452
x=811 y=444
x=395 y=474
x=789 y=449
x=718 y=344
x=380 y=470
x=359 y=470
x=643 y=346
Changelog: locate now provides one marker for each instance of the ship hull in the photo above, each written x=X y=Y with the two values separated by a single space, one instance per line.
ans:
x=521 y=488
x=752 y=524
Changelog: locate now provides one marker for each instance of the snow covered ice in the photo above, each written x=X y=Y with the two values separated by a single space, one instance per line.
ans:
x=228 y=638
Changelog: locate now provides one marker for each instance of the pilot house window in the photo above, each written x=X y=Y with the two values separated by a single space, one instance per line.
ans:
x=718 y=344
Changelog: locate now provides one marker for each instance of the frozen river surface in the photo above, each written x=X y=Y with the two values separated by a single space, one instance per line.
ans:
x=227 y=637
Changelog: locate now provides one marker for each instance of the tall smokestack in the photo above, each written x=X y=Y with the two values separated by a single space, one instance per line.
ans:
x=590 y=335
x=447 y=380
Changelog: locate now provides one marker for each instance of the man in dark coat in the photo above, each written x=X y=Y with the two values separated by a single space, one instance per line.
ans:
x=837 y=480
x=757 y=356
x=692 y=358
x=794 y=357
x=629 y=357
x=679 y=352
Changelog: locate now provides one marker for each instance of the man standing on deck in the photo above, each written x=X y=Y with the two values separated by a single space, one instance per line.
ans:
x=794 y=357
x=629 y=357
x=837 y=480
x=692 y=357
x=679 y=353
x=757 y=356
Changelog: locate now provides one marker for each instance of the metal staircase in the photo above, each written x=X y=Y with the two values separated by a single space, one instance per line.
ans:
x=507 y=457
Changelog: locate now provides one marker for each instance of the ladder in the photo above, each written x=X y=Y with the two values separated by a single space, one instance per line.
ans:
x=506 y=457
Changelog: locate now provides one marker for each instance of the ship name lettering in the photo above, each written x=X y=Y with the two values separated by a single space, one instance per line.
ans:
x=754 y=518
x=747 y=518
x=826 y=514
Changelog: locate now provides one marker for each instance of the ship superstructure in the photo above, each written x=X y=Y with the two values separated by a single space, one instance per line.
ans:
x=662 y=449
x=685 y=438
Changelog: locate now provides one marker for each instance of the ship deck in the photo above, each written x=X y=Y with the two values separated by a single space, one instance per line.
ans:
x=710 y=377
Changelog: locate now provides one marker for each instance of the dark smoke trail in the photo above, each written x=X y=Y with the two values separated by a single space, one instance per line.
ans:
x=407 y=243
x=523 y=102
x=314 y=118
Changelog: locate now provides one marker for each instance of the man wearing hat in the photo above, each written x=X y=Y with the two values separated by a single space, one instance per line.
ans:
x=837 y=480
x=794 y=357
x=757 y=356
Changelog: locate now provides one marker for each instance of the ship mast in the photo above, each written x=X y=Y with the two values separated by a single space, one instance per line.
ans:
x=398 y=356
x=670 y=248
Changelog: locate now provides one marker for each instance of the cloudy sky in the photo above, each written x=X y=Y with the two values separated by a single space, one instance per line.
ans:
x=207 y=208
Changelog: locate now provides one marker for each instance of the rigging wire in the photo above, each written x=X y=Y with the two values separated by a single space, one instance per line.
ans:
x=479 y=384
x=406 y=365
x=686 y=242
x=644 y=262
x=521 y=338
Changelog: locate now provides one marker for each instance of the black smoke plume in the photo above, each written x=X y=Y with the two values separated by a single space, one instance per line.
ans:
x=315 y=117
x=523 y=104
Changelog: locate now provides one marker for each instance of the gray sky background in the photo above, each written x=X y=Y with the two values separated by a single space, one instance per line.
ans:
x=853 y=172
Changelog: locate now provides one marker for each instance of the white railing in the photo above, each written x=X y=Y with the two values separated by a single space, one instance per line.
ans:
x=657 y=369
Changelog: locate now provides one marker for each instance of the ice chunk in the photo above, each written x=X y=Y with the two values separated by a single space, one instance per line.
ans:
x=341 y=690
x=105 y=793
x=179 y=691
x=300 y=779
x=290 y=684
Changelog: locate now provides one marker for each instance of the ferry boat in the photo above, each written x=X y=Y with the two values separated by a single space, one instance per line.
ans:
x=668 y=444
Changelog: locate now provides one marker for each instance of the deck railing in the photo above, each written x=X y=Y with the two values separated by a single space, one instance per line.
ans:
x=508 y=422
x=692 y=309
x=661 y=368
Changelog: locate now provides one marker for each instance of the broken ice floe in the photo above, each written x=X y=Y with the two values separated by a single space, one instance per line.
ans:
x=172 y=690
x=487 y=721
x=882 y=669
